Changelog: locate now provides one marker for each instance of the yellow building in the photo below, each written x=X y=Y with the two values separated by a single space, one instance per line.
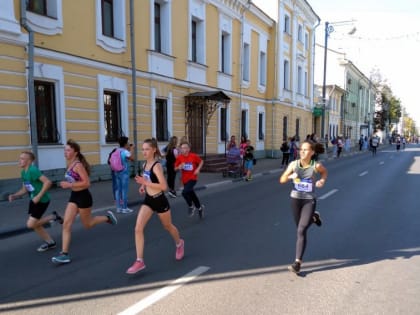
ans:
x=204 y=69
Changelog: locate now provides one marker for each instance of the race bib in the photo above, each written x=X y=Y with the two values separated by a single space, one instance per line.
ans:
x=146 y=175
x=188 y=166
x=304 y=185
x=29 y=186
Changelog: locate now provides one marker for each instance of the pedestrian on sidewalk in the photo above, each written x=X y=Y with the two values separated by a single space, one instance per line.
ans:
x=36 y=185
x=303 y=172
x=285 y=150
x=80 y=202
x=171 y=154
x=190 y=165
x=119 y=162
x=249 y=160
x=153 y=183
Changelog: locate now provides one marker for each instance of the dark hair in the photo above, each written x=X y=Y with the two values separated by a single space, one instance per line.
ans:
x=122 y=141
x=154 y=144
x=317 y=147
x=30 y=154
x=76 y=147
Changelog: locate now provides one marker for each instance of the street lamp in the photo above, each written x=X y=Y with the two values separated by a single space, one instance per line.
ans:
x=328 y=30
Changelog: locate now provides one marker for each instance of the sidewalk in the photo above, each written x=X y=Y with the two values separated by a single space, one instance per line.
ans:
x=13 y=216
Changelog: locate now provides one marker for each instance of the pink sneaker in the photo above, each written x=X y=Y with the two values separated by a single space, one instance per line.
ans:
x=136 y=267
x=179 y=254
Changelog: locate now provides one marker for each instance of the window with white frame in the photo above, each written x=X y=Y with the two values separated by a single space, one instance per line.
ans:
x=300 y=80
x=261 y=126
x=246 y=63
x=161 y=119
x=263 y=68
x=286 y=24
x=225 y=53
x=286 y=75
x=285 y=127
x=197 y=41
x=223 y=124
x=162 y=26
x=300 y=33
x=112 y=116
x=111 y=25
x=45 y=16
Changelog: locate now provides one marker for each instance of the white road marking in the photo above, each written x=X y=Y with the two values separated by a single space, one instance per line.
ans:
x=381 y=163
x=363 y=174
x=332 y=192
x=160 y=294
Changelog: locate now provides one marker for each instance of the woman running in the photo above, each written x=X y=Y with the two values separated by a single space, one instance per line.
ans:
x=303 y=200
x=153 y=183
x=80 y=202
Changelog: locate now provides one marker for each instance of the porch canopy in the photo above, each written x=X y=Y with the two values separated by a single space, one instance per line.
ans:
x=199 y=109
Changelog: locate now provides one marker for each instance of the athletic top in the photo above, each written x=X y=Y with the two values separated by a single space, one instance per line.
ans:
x=304 y=183
x=71 y=176
x=191 y=162
x=32 y=183
x=149 y=174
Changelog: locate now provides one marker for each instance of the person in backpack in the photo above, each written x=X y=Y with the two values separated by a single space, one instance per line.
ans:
x=118 y=162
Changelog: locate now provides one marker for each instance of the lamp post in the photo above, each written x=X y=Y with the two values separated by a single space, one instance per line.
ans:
x=328 y=30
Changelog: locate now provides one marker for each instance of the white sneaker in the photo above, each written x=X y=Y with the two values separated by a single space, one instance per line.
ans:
x=126 y=210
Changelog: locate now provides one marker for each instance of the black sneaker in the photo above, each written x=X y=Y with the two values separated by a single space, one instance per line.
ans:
x=316 y=217
x=201 y=212
x=172 y=193
x=58 y=218
x=46 y=246
x=295 y=267
x=191 y=211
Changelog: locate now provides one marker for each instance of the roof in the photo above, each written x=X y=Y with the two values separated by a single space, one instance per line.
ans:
x=210 y=95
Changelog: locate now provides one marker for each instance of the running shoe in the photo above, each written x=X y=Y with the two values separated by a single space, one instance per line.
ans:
x=46 y=246
x=201 y=212
x=136 y=267
x=61 y=259
x=126 y=210
x=172 y=193
x=111 y=218
x=179 y=254
x=191 y=211
x=58 y=217
x=119 y=210
x=295 y=267
x=316 y=217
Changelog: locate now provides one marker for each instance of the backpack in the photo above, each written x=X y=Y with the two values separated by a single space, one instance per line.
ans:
x=115 y=161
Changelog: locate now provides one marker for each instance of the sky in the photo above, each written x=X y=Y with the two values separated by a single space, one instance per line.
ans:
x=387 y=37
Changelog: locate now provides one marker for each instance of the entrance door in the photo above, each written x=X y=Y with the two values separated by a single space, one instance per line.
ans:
x=196 y=129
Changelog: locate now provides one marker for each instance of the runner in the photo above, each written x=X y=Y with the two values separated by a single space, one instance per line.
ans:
x=303 y=200
x=80 y=202
x=190 y=165
x=36 y=185
x=153 y=183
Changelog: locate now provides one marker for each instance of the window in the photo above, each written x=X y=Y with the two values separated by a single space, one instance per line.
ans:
x=286 y=24
x=158 y=37
x=46 y=117
x=107 y=18
x=223 y=124
x=306 y=84
x=245 y=69
x=161 y=114
x=285 y=128
x=37 y=6
x=306 y=41
x=300 y=33
x=112 y=116
x=297 y=128
x=244 y=127
x=263 y=68
x=224 y=53
x=300 y=83
x=286 y=74
x=260 y=126
x=193 y=41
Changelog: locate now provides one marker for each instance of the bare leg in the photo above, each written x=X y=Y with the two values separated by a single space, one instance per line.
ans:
x=88 y=221
x=37 y=226
x=145 y=213
x=69 y=217
x=166 y=220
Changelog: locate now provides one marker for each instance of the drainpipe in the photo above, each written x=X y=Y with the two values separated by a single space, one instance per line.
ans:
x=133 y=82
x=31 y=89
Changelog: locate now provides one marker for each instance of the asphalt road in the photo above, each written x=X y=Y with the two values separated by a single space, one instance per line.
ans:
x=363 y=260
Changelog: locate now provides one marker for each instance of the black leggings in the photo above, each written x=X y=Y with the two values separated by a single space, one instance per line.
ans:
x=303 y=210
x=171 y=174
x=189 y=194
